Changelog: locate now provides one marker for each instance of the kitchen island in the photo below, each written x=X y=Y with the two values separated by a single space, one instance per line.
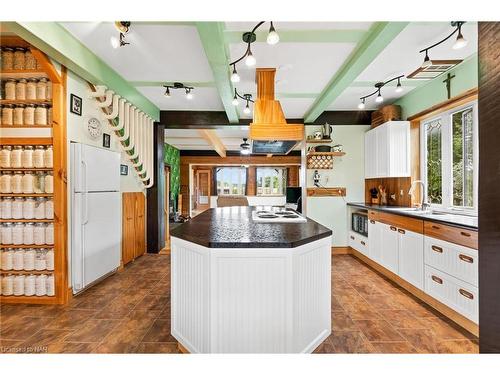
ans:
x=239 y=286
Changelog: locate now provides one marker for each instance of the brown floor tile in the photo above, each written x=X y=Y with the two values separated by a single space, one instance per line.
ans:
x=22 y=328
x=361 y=310
x=157 y=347
x=71 y=319
x=402 y=319
x=446 y=329
x=94 y=330
x=378 y=330
x=45 y=337
x=121 y=306
x=422 y=339
x=336 y=306
x=159 y=332
x=458 y=346
x=152 y=302
x=92 y=302
x=341 y=321
x=71 y=347
x=384 y=302
x=400 y=347
x=345 y=342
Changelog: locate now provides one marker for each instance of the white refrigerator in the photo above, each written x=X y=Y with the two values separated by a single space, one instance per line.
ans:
x=96 y=214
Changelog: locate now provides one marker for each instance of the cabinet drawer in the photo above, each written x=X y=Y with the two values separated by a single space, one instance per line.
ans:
x=464 y=237
x=358 y=242
x=458 y=261
x=456 y=294
x=373 y=215
x=400 y=221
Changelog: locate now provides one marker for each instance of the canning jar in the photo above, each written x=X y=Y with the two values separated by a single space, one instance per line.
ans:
x=39 y=208
x=49 y=183
x=29 y=208
x=48 y=157
x=49 y=234
x=49 y=90
x=10 y=89
x=6 y=234
x=40 y=261
x=41 y=285
x=49 y=116
x=29 y=259
x=16 y=157
x=16 y=182
x=29 y=60
x=18 y=116
x=41 y=114
x=8 y=114
x=31 y=89
x=39 y=183
x=5 y=156
x=17 y=208
x=39 y=234
x=17 y=233
x=29 y=285
x=5 y=182
x=21 y=89
x=7 y=58
x=49 y=208
x=27 y=157
x=18 y=262
x=28 y=183
x=49 y=256
x=29 y=114
x=38 y=156
x=50 y=285
x=19 y=285
x=8 y=285
x=28 y=233
x=6 y=208
x=41 y=89
x=19 y=58
x=7 y=259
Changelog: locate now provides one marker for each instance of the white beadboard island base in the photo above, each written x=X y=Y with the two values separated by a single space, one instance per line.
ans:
x=251 y=300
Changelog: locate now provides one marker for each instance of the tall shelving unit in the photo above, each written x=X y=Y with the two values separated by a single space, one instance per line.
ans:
x=53 y=134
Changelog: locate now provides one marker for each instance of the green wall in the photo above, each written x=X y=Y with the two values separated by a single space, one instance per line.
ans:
x=434 y=92
x=173 y=159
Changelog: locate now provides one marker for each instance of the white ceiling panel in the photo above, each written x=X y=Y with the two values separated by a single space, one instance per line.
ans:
x=157 y=52
x=204 y=99
x=248 y=26
x=190 y=139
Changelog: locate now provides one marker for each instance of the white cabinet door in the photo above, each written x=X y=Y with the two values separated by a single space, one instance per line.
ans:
x=390 y=247
x=375 y=241
x=382 y=150
x=398 y=136
x=370 y=155
x=411 y=257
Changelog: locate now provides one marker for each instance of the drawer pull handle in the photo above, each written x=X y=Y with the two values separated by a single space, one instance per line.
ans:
x=352 y=237
x=372 y=221
x=402 y=231
x=435 y=227
x=393 y=228
x=465 y=234
x=437 y=279
x=437 y=249
x=363 y=243
x=466 y=258
x=466 y=294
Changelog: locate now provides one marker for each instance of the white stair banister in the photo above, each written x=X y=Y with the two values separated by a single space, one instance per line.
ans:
x=114 y=108
x=107 y=100
x=99 y=91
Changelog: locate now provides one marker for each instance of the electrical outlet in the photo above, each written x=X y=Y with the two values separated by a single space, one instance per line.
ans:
x=401 y=193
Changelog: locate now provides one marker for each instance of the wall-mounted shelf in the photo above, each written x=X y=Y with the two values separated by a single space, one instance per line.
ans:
x=19 y=101
x=29 y=299
x=26 y=220
x=26 y=126
x=26 y=246
x=26 y=195
x=318 y=140
x=312 y=153
x=27 y=169
x=25 y=73
x=24 y=272
x=326 y=192
x=22 y=141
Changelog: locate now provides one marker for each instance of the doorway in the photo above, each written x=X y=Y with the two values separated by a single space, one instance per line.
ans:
x=166 y=210
x=202 y=190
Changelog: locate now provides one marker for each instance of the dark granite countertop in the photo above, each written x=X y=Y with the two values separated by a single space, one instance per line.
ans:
x=233 y=227
x=460 y=221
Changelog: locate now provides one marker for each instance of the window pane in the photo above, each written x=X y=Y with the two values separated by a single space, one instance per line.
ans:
x=434 y=171
x=463 y=166
x=271 y=181
x=231 y=181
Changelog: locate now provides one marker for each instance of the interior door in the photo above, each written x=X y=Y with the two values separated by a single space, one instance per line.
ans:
x=128 y=223
x=140 y=224
x=202 y=189
x=166 y=208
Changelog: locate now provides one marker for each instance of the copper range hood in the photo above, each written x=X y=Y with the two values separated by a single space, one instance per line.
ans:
x=269 y=131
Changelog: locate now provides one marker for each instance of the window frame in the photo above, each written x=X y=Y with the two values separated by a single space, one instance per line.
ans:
x=283 y=183
x=447 y=158
x=242 y=184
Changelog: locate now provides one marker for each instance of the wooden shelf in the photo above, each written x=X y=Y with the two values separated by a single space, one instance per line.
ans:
x=318 y=140
x=26 y=126
x=26 y=220
x=24 y=272
x=19 y=101
x=326 y=154
x=28 y=299
x=27 y=246
x=326 y=192
x=23 y=141
x=27 y=169
x=26 y=195
x=24 y=73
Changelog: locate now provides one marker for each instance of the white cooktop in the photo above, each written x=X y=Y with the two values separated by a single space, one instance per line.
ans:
x=274 y=216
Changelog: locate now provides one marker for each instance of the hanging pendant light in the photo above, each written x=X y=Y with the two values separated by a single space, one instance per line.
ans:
x=247 y=109
x=272 y=37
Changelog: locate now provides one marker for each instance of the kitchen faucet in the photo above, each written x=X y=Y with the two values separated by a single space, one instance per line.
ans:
x=423 y=203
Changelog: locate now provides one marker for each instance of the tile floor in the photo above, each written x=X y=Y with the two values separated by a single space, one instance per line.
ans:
x=130 y=313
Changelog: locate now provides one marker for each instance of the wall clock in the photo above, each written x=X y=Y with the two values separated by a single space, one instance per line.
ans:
x=94 y=128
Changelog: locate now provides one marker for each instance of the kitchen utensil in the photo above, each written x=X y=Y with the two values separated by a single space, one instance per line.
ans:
x=318 y=135
x=327 y=131
x=322 y=148
x=337 y=148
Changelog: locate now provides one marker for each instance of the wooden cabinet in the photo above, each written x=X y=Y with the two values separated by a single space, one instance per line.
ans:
x=411 y=257
x=387 y=150
x=133 y=226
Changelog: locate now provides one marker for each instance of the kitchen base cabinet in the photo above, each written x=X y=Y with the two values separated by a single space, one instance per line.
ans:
x=411 y=257
x=133 y=226
x=390 y=248
x=359 y=242
x=375 y=241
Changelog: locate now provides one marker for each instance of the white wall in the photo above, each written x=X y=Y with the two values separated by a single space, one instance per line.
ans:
x=348 y=172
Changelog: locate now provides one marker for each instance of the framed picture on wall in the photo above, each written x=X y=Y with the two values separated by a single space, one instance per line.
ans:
x=75 y=104
x=123 y=169
x=106 y=140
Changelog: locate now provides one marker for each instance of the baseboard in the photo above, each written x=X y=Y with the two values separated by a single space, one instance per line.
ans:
x=461 y=320
x=341 y=250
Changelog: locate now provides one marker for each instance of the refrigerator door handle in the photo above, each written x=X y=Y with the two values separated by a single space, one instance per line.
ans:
x=85 y=218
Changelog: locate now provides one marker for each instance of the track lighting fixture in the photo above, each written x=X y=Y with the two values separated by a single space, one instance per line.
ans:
x=245 y=147
x=235 y=78
x=123 y=28
x=235 y=101
x=378 y=91
x=250 y=60
x=247 y=109
x=246 y=97
x=460 y=42
x=272 y=37
x=176 y=86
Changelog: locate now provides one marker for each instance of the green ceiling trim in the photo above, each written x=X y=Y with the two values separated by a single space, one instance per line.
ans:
x=60 y=45
x=304 y=36
x=161 y=83
x=212 y=37
x=378 y=37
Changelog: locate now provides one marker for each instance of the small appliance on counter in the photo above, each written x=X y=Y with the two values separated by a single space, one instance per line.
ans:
x=326 y=130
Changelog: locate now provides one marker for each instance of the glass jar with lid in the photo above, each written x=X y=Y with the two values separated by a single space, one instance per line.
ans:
x=41 y=285
x=21 y=89
x=49 y=90
x=29 y=208
x=39 y=234
x=6 y=182
x=10 y=89
x=16 y=183
x=7 y=58
x=31 y=89
x=5 y=153
x=18 y=118
x=48 y=157
x=6 y=208
x=51 y=287
x=40 y=260
x=29 y=259
x=28 y=183
x=18 y=263
x=8 y=285
x=29 y=285
x=39 y=183
x=7 y=259
x=27 y=157
x=41 y=89
x=18 y=289
x=29 y=115
x=29 y=60
x=6 y=230
x=49 y=208
x=16 y=157
x=49 y=116
x=17 y=233
x=29 y=234
x=50 y=259
x=19 y=58
x=17 y=208
x=38 y=156
x=49 y=183
x=49 y=234
x=7 y=114
x=39 y=212
x=41 y=114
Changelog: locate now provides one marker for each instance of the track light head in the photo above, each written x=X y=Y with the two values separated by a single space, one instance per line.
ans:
x=250 y=59
x=379 y=98
x=235 y=101
x=235 y=78
x=122 y=26
x=399 y=88
x=167 y=93
x=247 y=109
x=361 y=104
x=273 y=37
x=460 y=42
x=189 y=94
x=427 y=61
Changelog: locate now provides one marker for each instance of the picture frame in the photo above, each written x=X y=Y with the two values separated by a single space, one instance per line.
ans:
x=123 y=169
x=106 y=140
x=75 y=104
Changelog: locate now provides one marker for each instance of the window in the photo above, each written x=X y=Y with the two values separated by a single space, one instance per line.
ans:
x=271 y=181
x=450 y=158
x=231 y=181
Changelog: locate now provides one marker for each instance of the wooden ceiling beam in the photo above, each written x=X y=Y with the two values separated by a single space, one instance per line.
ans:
x=211 y=137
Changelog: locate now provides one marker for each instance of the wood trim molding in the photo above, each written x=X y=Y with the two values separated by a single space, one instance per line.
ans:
x=47 y=66
x=456 y=101
x=326 y=192
x=213 y=139
x=341 y=250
